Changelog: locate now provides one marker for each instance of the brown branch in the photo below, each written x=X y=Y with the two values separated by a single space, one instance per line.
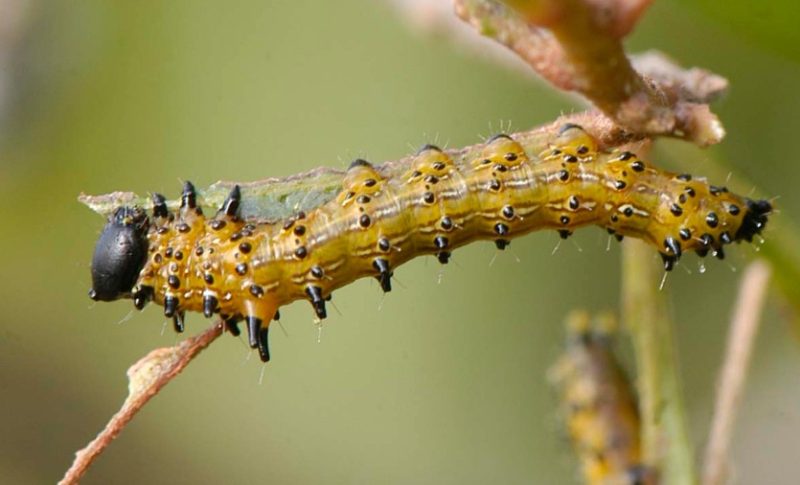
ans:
x=744 y=327
x=145 y=380
x=575 y=45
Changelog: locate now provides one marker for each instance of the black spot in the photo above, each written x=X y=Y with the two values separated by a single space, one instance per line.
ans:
x=301 y=252
x=256 y=291
x=142 y=296
x=236 y=236
x=317 y=272
x=574 y=203
x=510 y=156
x=619 y=184
x=178 y=255
x=564 y=220
x=500 y=168
x=440 y=242
x=690 y=191
x=712 y=220
x=508 y=212
x=684 y=176
x=682 y=198
x=669 y=261
x=364 y=221
x=628 y=211
x=245 y=247
x=178 y=320
x=241 y=268
x=209 y=278
x=431 y=179
x=288 y=224
x=494 y=185
x=384 y=244
x=583 y=150
x=563 y=175
x=438 y=166
x=370 y=182
x=443 y=256
x=501 y=229
x=637 y=166
x=706 y=240
x=570 y=158
x=415 y=174
x=299 y=230
x=446 y=223
x=428 y=197
x=676 y=210
x=501 y=244
x=725 y=237
x=183 y=227
x=168 y=253
x=733 y=210
x=624 y=156
x=317 y=301
x=685 y=234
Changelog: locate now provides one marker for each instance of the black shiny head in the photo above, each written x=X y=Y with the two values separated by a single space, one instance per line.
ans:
x=755 y=219
x=119 y=255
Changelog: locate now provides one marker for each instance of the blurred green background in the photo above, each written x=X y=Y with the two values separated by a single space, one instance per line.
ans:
x=440 y=382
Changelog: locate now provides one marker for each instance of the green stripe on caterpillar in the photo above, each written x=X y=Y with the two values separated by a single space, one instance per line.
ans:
x=246 y=267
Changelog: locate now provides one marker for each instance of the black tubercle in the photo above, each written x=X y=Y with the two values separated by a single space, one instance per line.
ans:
x=263 y=344
x=426 y=147
x=210 y=304
x=755 y=218
x=189 y=195
x=142 y=296
x=253 y=331
x=499 y=136
x=119 y=254
x=317 y=301
x=231 y=205
x=177 y=321
x=384 y=274
x=159 y=206
x=359 y=162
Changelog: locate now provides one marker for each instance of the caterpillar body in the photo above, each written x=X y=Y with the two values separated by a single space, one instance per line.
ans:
x=599 y=405
x=245 y=267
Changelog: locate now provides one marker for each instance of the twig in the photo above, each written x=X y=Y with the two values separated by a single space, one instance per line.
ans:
x=576 y=46
x=665 y=438
x=145 y=380
x=742 y=335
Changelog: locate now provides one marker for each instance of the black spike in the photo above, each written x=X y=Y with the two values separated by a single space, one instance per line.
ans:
x=719 y=253
x=427 y=147
x=277 y=315
x=725 y=238
x=669 y=261
x=142 y=296
x=263 y=344
x=498 y=137
x=317 y=301
x=253 y=330
x=440 y=242
x=501 y=243
x=170 y=306
x=673 y=246
x=177 y=321
x=443 y=256
x=189 y=196
x=564 y=233
x=159 y=206
x=232 y=324
x=210 y=303
x=359 y=162
x=231 y=205
x=384 y=274
x=568 y=126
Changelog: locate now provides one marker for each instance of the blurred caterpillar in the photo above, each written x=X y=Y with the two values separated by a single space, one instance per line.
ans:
x=245 y=267
x=599 y=406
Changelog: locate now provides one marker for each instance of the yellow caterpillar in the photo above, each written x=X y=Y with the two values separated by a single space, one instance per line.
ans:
x=599 y=406
x=245 y=268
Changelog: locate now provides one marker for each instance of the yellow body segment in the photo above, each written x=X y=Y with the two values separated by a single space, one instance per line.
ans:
x=438 y=202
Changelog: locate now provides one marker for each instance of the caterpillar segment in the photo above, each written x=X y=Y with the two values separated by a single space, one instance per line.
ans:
x=244 y=269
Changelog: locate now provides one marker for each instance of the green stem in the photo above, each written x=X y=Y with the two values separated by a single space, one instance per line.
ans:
x=665 y=438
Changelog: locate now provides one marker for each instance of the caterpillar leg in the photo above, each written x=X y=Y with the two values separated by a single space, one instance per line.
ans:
x=258 y=314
